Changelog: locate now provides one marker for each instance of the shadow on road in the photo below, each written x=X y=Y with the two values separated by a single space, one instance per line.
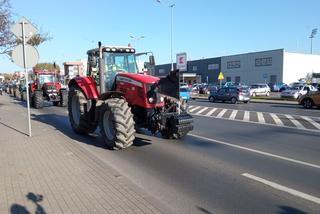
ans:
x=61 y=123
x=289 y=210
x=35 y=198
x=14 y=129
x=203 y=210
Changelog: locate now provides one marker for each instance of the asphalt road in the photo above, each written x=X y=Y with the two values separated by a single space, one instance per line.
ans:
x=261 y=107
x=223 y=166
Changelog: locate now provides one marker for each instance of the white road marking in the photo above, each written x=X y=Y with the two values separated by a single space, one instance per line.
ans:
x=283 y=188
x=257 y=151
x=233 y=114
x=246 y=116
x=295 y=122
x=314 y=123
x=222 y=113
x=276 y=119
x=192 y=110
x=202 y=110
x=260 y=117
x=211 y=111
x=190 y=107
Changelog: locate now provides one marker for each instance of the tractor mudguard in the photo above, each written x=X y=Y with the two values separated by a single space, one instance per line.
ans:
x=87 y=85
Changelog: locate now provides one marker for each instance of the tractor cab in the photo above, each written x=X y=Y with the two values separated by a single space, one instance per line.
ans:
x=111 y=61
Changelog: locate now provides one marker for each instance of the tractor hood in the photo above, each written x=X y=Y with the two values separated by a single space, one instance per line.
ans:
x=144 y=79
x=168 y=85
x=52 y=85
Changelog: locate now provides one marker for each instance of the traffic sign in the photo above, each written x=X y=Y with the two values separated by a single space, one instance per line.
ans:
x=33 y=56
x=220 y=77
x=29 y=29
x=182 y=61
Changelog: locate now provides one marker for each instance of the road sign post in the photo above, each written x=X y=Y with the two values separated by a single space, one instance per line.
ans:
x=20 y=29
x=220 y=78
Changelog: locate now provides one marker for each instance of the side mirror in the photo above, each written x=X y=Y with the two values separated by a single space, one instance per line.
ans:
x=151 y=60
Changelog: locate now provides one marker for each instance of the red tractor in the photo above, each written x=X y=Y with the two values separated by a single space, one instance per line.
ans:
x=116 y=98
x=46 y=87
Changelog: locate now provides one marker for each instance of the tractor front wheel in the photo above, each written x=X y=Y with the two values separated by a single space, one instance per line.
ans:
x=117 y=126
x=78 y=115
x=38 y=99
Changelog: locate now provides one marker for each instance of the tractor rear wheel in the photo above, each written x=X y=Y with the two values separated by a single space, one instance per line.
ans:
x=117 y=126
x=63 y=98
x=79 y=117
x=37 y=99
x=55 y=103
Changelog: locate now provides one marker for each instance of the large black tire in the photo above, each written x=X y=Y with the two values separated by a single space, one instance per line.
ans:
x=307 y=103
x=55 y=103
x=79 y=117
x=234 y=100
x=37 y=99
x=117 y=126
x=63 y=98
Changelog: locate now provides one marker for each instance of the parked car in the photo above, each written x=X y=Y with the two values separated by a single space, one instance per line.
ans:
x=310 y=99
x=277 y=87
x=259 y=89
x=184 y=94
x=297 y=91
x=232 y=94
x=184 y=85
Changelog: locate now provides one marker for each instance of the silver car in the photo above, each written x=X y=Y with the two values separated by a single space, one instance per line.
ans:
x=297 y=91
x=259 y=89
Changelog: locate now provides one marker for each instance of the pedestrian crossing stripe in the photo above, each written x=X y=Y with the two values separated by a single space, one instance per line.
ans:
x=281 y=120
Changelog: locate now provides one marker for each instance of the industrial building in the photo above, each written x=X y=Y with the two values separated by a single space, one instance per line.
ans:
x=272 y=66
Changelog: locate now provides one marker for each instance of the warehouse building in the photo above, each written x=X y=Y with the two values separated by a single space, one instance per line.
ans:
x=273 y=66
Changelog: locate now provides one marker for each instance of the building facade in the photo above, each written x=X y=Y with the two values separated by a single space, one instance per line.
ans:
x=273 y=66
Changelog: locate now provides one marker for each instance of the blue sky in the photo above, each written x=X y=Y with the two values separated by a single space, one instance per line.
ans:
x=202 y=28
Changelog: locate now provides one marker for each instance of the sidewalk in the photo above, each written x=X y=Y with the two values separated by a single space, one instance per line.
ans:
x=48 y=173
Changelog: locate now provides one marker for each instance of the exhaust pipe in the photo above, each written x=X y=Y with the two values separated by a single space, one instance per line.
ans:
x=101 y=70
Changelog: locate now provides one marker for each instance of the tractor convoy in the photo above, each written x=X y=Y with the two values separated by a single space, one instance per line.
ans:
x=113 y=96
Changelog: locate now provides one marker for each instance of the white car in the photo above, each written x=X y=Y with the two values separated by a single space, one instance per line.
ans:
x=296 y=92
x=260 y=89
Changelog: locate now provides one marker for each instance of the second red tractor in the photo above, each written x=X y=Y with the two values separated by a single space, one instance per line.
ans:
x=46 y=87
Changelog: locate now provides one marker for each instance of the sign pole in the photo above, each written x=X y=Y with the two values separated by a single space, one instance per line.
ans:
x=26 y=75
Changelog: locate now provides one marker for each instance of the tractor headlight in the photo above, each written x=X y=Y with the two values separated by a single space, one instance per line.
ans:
x=161 y=99
x=150 y=99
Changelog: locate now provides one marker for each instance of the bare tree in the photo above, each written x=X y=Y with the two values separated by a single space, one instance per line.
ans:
x=7 y=39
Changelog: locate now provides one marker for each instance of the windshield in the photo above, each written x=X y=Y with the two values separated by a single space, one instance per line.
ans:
x=45 y=78
x=120 y=62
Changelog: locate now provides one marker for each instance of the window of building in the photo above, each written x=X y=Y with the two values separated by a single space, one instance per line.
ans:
x=237 y=79
x=213 y=67
x=233 y=64
x=263 y=61
x=273 y=78
x=194 y=68
x=228 y=79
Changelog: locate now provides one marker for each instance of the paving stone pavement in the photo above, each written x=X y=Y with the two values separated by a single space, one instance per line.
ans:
x=49 y=173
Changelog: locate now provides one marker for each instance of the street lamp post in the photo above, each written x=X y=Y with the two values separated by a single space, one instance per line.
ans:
x=313 y=33
x=171 y=34
x=171 y=6
x=137 y=38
